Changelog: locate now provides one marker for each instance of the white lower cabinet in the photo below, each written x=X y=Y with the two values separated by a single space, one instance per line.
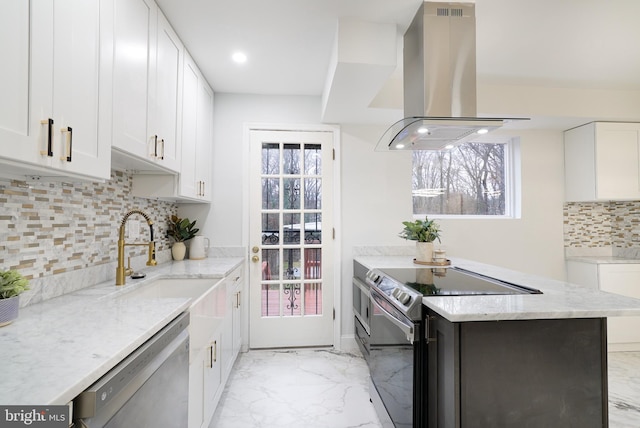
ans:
x=623 y=333
x=211 y=349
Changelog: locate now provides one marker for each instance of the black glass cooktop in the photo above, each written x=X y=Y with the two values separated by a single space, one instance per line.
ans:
x=451 y=281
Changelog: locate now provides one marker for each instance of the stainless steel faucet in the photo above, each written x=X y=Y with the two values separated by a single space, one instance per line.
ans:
x=121 y=271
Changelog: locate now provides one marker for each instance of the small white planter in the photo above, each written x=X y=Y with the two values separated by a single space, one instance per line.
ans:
x=424 y=252
x=9 y=310
x=178 y=250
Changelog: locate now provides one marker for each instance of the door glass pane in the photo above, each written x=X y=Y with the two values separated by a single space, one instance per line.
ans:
x=312 y=263
x=270 y=300
x=312 y=159
x=270 y=229
x=313 y=193
x=291 y=300
x=291 y=228
x=291 y=263
x=270 y=193
x=291 y=159
x=291 y=194
x=270 y=265
x=313 y=228
x=270 y=158
x=313 y=298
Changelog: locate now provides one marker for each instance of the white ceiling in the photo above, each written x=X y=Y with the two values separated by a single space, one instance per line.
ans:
x=587 y=44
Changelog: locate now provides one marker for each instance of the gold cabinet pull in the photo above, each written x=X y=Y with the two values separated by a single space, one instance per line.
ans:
x=68 y=143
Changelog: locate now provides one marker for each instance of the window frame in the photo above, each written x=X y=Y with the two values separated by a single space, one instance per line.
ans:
x=513 y=183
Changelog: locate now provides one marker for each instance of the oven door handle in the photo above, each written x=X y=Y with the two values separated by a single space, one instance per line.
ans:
x=407 y=329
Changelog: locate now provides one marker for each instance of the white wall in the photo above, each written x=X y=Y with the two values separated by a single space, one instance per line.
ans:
x=376 y=193
x=222 y=221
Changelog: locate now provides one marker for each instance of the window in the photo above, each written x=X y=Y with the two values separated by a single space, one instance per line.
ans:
x=470 y=179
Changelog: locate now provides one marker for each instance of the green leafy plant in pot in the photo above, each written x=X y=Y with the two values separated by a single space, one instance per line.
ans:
x=424 y=232
x=12 y=284
x=180 y=230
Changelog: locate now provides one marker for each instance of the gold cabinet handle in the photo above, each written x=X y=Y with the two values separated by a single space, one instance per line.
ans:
x=68 y=143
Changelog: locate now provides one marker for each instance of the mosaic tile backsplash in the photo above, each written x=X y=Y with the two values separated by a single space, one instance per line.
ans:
x=596 y=225
x=51 y=228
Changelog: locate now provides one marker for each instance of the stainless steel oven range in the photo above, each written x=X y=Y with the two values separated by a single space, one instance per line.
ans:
x=398 y=347
x=361 y=308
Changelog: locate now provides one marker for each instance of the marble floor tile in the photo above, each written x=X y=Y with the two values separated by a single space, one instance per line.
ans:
x=624 y=389
x=296 y=388
x=327 y=389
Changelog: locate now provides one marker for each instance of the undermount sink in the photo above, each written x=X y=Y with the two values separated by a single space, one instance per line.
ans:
x=171 y=287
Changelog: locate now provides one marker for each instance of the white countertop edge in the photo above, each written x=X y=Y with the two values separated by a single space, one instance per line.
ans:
x=602 y=260
x=559 y=299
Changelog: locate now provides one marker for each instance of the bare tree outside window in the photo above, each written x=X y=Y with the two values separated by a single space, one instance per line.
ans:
x=466 y=180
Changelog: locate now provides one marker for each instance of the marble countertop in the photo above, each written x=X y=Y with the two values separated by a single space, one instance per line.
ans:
x=602 y=260
x=559 y=299
x=58 y=348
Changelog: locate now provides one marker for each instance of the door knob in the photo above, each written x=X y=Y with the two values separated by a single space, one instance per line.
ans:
x=255 y=259
x=255 y=250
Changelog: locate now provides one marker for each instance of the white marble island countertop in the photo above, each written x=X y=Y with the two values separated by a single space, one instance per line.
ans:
x=558 y=299
x=57 y=348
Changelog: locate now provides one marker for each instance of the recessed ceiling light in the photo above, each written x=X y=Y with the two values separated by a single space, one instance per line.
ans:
x=423 y=130
x=399 y=146
x=483 y=131
x=239 y=57
x=449 y=146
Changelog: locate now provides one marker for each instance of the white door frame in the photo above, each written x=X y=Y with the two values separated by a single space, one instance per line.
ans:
x=337 y=254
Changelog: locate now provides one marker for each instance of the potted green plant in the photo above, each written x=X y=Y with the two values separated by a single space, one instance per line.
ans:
x=424 y=232
x=12 y=284
x=180 y=230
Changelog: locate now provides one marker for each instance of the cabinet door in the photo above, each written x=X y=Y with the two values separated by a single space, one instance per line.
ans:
x=212 y=377
x=624 y=279
x=168 y=96
x=188 y=185
x=618 y=160
x=238 y=287
x=51 y=118
x=79 y=105
x=26 y=83
x=204 y=139
x=134 y=60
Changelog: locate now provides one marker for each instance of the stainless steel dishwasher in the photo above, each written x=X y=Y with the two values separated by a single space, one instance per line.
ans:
x=149 y=388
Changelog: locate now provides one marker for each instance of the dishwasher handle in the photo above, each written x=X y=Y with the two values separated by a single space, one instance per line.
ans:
x=406 y=327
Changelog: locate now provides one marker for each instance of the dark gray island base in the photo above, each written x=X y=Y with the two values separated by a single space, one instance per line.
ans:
x=516 y=373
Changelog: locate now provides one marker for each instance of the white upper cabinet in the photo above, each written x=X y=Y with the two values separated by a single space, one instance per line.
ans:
x=57 y=90
x=193 y=184
x=197 y=118
x=602 y=162
x=204 y=140
x=146 y=84
x=189 y=185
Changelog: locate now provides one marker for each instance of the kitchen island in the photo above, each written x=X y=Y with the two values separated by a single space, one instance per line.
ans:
x=536 y=360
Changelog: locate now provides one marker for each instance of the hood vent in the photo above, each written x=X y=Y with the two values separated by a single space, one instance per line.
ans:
x=439 y=81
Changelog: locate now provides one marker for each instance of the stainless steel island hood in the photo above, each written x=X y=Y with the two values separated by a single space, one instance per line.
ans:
x=439 y=81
